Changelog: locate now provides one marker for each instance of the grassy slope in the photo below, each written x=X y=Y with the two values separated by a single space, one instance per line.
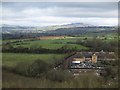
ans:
x=49 y=44
x=11 y=80
x=86 y=80
x=11 y=59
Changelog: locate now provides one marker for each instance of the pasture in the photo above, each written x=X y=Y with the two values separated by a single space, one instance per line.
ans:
x=58 y=43
x=11 y=59
x=51 y=43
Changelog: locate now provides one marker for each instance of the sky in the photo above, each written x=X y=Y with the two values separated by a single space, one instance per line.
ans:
x=59 y=13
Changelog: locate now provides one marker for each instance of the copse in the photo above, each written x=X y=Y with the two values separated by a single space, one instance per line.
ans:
x=38 y=67
x=108 y=73
x=67 y=49
x=98 y=44
x=32 y=69
x=58 y=75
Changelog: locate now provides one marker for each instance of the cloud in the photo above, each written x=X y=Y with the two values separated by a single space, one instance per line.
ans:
x=43 y=14
x=49 y=20
x=60 y=1
x=25 y=5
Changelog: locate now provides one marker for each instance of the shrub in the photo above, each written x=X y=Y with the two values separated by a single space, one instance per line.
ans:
x=32 y=68
x=38 y=67
x=59 y=76
x=22 y=68
x=108 y=73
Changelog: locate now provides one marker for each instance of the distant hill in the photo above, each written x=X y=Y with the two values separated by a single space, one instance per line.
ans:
x=73 y=28
x=6 y=26
x=48 y=28
x=11 y=29
x=83 y=30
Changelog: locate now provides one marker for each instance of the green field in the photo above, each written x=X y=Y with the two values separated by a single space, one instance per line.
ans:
x=52 y=46
x=0 y=42
x=11 y=59
x=52 y=43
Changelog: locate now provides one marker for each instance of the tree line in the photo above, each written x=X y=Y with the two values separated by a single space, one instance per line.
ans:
x=37 y=49
x=98 y=44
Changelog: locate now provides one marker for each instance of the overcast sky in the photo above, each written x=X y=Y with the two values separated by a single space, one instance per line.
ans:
x=44 y=13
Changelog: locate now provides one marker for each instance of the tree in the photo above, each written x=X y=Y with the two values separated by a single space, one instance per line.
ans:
x=32 y=68
x=59 y=76
x=38 y=67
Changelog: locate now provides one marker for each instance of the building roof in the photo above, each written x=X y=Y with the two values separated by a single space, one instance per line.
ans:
x=76 y=59
x=90 y=54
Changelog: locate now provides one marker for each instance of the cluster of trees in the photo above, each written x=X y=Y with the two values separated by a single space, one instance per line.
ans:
x=18 y=35
x=109 y=73
x=22 y=49
x=32 y=69
x=37 y=49
x=40 y=68
x=98 y=44
x=58 y=75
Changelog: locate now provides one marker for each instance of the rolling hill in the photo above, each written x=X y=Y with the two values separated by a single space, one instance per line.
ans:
x=73 y=28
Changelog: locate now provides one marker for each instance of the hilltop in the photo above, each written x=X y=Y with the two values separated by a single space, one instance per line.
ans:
x=73 y=28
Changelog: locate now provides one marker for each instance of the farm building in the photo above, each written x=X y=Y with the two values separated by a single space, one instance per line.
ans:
x=80 y=58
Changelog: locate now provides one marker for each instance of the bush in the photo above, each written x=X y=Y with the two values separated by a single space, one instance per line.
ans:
x=32 y=68
x=98 y=44
x=22 y=68
x=108 y=73
x=59 y=76
x=38 y=67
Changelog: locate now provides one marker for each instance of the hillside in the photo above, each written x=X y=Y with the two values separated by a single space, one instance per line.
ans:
x=83 y=30
x=73 y=28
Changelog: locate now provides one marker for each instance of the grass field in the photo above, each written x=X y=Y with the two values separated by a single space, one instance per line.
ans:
x=52 y=46
x=0 y=42
x=11 y=59
x=53 y=43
